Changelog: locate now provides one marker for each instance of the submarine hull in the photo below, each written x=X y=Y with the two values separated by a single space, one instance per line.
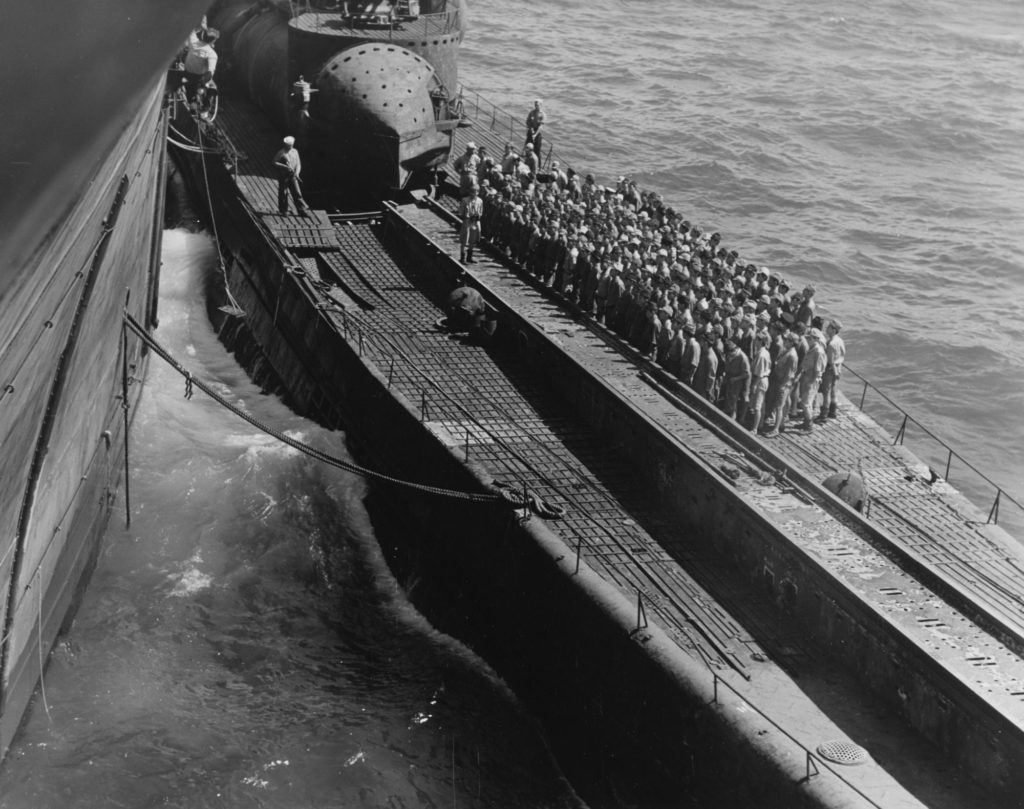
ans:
x=377 y=111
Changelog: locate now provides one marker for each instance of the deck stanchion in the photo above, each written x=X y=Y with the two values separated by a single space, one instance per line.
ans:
x=641 y=613
x=993 y=514
x=714 y=680
x=903 y=429
x=949 y=461
x=391 y=371
x=863 y=394
x=579 y=552
x=423 y=404
x=810 y=764
x=467 y=442
x=360 y=341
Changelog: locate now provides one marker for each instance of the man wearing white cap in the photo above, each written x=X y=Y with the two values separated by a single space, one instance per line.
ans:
x=289 y=170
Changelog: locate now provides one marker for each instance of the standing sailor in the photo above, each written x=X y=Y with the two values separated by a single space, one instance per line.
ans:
x=534 y=125
x=835 y=357
x=200 y=60
x=288 y=165
x=301 y=94
x=466 y=165
x=471 y=209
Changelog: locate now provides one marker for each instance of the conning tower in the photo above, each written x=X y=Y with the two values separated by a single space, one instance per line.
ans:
x=366 y=86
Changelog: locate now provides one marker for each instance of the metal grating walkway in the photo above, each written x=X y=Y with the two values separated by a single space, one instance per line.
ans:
x=516 y=428
x=521 y=432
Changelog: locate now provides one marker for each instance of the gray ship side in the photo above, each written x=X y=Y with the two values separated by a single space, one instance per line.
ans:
x=62 y=404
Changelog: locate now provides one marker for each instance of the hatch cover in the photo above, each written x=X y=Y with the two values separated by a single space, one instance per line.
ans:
x=841 y=752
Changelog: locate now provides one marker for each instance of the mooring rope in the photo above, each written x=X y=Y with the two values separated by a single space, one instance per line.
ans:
x=501 y=494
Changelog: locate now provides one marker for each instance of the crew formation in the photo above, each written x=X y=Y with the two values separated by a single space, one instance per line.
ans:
x=729 y=329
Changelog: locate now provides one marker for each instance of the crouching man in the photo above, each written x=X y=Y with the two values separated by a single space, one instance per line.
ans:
x=468 y=312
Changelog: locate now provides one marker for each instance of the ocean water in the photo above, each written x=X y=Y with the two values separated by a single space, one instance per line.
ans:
x=244 y=645
x=875 y=150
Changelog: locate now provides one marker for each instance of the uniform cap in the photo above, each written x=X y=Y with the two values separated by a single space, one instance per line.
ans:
x=471 y=145
x=289 y=141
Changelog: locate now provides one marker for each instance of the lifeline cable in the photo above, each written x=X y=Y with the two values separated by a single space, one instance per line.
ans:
x=348 y=466
x=213 y=219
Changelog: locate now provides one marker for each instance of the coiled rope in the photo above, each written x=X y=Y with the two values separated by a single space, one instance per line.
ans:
x=502 y=494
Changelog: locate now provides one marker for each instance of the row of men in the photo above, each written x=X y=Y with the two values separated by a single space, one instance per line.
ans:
x=723 y=327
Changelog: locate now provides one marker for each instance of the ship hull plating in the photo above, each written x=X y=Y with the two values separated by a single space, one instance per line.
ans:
x=62 y=413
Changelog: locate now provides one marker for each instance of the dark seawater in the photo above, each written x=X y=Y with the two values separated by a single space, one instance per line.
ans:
x=244 y=644
x=873 y=149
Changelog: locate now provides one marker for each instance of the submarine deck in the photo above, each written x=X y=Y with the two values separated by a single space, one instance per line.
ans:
x=931 y=521
x=520 y=430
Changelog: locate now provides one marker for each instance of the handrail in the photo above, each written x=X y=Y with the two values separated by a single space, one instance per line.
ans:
x=1000 y=492
x=397 y=28
x=366 y=336
x=485 y=109
x=515 y=133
